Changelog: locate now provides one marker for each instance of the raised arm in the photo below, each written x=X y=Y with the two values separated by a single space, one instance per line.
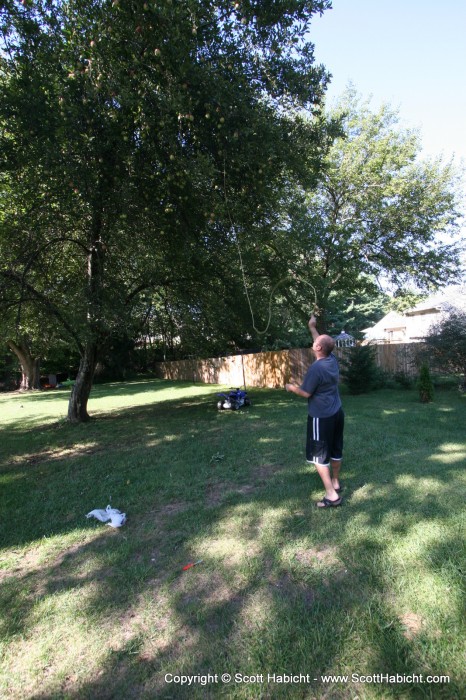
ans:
x=312 y=327
x=292 y=387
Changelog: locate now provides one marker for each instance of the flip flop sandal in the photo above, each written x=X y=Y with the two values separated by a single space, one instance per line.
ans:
x=328 y=503
x=340 y=488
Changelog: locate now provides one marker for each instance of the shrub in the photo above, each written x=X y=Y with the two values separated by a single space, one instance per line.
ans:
x=359 y=371
x=446 y=345
x=403 y=380
x=425 y=386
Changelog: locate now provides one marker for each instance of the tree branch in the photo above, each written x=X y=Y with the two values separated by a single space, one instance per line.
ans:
x=39 y=296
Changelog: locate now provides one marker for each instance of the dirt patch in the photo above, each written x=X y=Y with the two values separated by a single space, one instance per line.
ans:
x=245 y=489
x=171 y=509
x=217 y=492
x=208 y=588
x=265 y=471
x=412 y=624
x=325 y=555
x=286 y=588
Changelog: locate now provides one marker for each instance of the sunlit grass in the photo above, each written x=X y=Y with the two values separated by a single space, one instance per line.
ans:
x=373 y=587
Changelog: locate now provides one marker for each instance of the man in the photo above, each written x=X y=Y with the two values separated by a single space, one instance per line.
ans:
x=325 y=422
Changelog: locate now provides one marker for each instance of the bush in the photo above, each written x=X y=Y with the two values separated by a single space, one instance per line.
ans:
x=403 y=380
x=425 y=386
x=10 y=377
x=446 y=345
x=359 y=371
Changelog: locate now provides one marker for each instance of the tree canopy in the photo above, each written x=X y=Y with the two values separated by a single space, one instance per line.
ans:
x=140 y=142
x=168 y=169
x=379 y=210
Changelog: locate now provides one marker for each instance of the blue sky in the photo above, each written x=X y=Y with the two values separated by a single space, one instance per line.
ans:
x=409 y=53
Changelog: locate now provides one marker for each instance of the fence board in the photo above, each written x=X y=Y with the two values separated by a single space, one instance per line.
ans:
x=273 y=369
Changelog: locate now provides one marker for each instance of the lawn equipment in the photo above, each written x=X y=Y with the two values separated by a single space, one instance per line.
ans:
x=235 y=399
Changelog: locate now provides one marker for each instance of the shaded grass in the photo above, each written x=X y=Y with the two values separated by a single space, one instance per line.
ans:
x=372 y=587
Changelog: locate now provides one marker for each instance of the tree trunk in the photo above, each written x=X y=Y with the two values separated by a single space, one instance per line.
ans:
x=77 y=407
x=30 y=366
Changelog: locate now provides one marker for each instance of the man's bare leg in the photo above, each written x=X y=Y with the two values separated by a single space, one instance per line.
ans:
x=335 y=466
x=324 y=473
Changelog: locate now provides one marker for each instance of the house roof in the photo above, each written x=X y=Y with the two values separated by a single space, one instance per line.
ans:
x=449 y=299
x=391 y=320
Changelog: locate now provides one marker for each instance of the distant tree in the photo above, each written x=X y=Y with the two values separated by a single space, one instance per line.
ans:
x=404 y=299
x=354 y=311
x=379 y=210
x=359 y=370
x=29 y=362
x=425 y=385
x=445 y=345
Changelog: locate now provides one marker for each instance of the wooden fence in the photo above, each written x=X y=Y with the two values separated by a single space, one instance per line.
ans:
x=273 y=369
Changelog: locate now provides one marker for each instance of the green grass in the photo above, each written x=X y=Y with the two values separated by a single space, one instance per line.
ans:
x=373 y=587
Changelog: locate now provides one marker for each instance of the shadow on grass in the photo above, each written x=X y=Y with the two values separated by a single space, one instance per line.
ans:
x=157 y=452
x=270 y=619
x=284 y=588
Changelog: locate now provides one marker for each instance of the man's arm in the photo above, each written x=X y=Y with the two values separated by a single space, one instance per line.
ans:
x=297 y=390
x=312 y=327
x=292 y=387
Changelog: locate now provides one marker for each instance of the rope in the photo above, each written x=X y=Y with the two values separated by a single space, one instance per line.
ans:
x=243 y=274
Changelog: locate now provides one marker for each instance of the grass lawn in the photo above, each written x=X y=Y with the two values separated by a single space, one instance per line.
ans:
x=373 y=587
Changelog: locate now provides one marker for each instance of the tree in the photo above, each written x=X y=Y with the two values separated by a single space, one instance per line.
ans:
x=140 y=139
x=357 y=309
x=445 y=345
x=26 y=335
x=378 y=210
x=30 y=363
x=359 y=369
x=425 y=386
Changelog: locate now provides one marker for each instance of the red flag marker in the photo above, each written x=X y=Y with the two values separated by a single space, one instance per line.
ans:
x=189 y=566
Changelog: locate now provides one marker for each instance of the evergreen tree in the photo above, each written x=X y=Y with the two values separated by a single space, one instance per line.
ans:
x=359 y=369
x=425 y=386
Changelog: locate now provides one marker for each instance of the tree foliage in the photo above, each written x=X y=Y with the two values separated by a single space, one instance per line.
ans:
x=445 y=345
x=359 y=370
x=425 y=385
x=140 y=143
x=379 y=211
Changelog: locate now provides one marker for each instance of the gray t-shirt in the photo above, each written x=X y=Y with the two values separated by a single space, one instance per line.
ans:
x=321 y=382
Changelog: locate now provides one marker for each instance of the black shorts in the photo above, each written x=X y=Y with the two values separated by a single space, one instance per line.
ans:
x=325 y=438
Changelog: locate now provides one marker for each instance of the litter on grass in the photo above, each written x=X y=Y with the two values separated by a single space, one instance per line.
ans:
x=112 y=516
x=190 y=566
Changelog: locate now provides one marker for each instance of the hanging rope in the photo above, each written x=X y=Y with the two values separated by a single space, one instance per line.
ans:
x=290 y=275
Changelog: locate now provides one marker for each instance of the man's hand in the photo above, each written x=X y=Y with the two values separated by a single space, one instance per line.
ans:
x=312 y=327
x=296 y=390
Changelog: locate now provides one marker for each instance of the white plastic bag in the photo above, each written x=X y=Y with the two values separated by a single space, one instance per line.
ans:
x=112 y=516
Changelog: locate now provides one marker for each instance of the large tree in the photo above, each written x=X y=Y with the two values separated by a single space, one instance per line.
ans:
x=139 y=139
x=379 y=211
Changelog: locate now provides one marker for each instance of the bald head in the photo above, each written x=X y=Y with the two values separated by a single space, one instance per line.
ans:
x=323 y=345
